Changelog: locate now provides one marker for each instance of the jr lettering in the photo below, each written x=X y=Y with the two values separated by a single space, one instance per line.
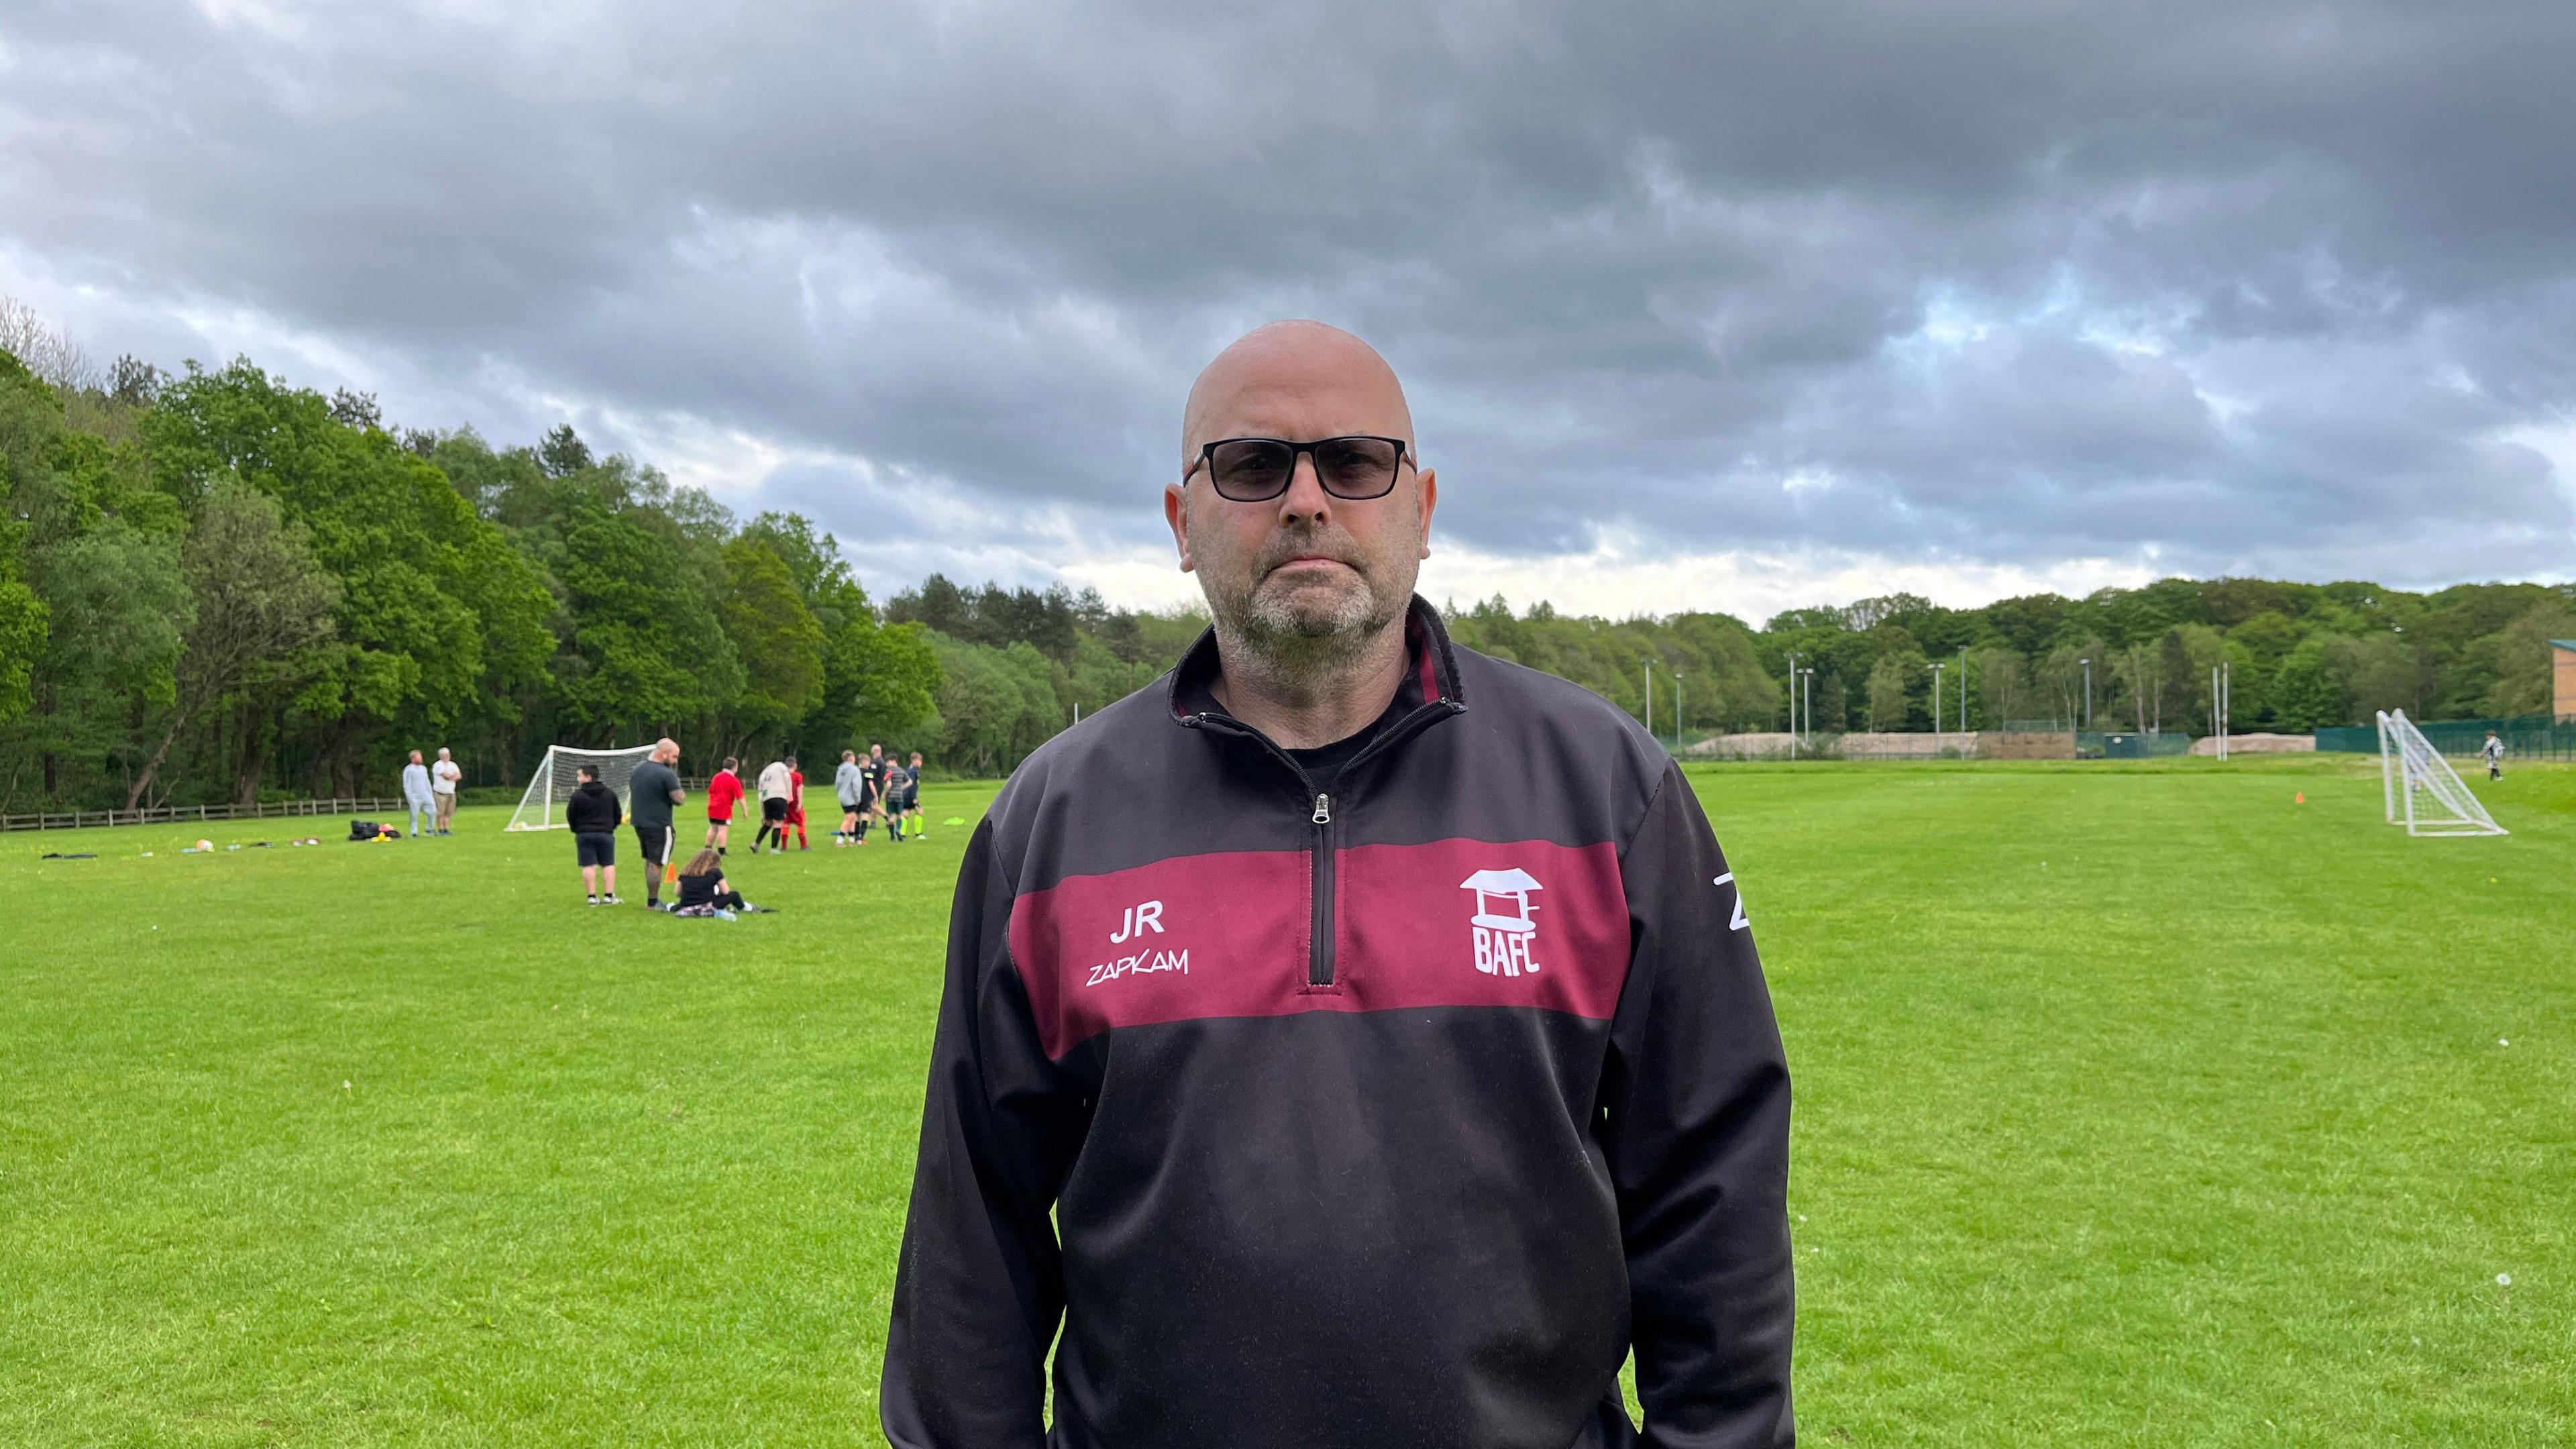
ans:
x=1140 y=919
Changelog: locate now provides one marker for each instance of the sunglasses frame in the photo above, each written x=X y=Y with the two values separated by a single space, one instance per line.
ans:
x=1207 y=460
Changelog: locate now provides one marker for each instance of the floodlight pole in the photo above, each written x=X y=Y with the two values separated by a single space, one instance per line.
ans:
x=1807 y=697
x=1793 y=704
x=1963 y=689
x=1650 y=699
x=2088 y=692
x=1936 y=705
x=1677 y=709
x=2227 y=701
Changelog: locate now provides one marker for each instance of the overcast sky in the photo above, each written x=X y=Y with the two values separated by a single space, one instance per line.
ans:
x=1699 y=305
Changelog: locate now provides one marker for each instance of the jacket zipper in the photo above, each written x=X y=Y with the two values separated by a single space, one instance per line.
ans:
x=1319 y=921
x=1319 y=953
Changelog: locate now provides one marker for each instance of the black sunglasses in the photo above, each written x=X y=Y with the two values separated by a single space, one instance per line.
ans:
x=1255 y=470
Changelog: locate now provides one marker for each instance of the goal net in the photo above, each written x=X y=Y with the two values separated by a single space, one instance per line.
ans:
x=2419 y=787
x=541 y=808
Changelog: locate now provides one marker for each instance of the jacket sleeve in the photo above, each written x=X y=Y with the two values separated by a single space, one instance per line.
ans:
x=1697 y=1132
x=980 y=1286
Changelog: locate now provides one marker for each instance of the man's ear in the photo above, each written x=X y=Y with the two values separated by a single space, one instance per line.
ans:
x=1430 y=493
x=1176 y=512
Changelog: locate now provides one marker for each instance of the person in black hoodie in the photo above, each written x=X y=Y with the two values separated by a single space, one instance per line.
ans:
x=594 y=816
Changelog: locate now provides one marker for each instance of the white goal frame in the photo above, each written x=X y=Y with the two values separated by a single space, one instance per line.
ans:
x=2411 y=769
x=541 y=807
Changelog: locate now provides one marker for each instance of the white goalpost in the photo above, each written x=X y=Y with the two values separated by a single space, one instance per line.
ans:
x=541 y=808
x=2419 y=788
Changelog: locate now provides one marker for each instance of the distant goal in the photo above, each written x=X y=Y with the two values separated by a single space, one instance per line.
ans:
x=2419 y=787
x=541 y=808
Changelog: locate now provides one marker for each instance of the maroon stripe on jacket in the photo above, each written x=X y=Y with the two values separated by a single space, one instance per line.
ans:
x=1226 y=935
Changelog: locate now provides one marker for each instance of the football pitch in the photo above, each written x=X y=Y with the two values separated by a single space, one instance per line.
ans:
x=2135 y=1105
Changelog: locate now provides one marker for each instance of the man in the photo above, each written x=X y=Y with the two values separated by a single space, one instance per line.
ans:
x=419 y=798
x=724 y=795
x=442 y=783
x=849 y=787
x=1395 y=1002
x=912 y=798
x=593 y=814
x=775 y=787
x=2494 y=751
x=655 y=788
x=876 y=765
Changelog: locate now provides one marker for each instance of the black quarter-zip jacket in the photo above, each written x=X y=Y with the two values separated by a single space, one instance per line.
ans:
x=1386 y=1116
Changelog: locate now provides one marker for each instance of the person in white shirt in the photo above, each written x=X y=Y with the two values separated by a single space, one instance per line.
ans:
x=442 y=783
x=2494 y=752
x=777 y=783
x=418 y=798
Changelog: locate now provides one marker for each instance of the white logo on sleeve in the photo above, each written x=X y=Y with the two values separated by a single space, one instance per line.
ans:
x=1502 y=930
x=1739 y=923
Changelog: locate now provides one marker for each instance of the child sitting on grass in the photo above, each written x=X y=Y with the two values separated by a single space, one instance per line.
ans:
x=703 y=889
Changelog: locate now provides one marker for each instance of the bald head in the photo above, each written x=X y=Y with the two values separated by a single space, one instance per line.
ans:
x=1297 y=380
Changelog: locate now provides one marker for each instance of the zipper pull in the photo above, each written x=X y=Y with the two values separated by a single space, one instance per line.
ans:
x=1323 y=809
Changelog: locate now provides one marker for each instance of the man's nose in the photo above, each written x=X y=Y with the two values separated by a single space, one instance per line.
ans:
x=1305 y=497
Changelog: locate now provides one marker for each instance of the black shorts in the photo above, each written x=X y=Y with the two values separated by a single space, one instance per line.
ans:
x=909 y=799
x=656 y=841
x=596 y=847
x=773 y=810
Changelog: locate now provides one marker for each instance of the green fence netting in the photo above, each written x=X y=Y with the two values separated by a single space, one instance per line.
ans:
x=2526 y=737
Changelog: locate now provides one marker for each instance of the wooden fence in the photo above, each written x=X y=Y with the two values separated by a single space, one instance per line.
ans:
x=178 y=814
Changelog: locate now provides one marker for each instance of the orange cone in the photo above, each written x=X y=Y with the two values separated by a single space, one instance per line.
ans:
x=2302 y=798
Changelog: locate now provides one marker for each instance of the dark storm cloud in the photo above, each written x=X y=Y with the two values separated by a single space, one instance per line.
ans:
x=2222 y=286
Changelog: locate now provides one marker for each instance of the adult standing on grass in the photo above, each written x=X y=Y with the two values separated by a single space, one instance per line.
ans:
x=777 y=788
x=1396 y=1002
x=442 y=783
x=418 y=798
x=875 y=766
x=655 y=789
x=849 y=786
x=593 y=815
x=724 y=793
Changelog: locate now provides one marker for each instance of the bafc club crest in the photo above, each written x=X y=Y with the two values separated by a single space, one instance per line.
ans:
x=1504 y=935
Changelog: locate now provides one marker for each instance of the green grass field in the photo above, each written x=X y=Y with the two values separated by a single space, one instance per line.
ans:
x=2136 y=1105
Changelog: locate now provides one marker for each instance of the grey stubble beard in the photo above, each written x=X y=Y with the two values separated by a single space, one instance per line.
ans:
x=1298 y=655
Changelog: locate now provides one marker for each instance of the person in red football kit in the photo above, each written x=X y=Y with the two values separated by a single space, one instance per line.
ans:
x=1351 y=1039
x=724 y=796
x=795 y=808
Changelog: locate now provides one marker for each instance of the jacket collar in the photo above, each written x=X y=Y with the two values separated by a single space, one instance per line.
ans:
x=1430 y=676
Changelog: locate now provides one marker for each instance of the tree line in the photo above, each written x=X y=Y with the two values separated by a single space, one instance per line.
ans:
x=216 y=587
x=2300 y=656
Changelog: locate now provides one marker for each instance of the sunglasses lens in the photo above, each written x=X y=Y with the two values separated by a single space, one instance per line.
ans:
x=1251 y=468
x=1356 y=467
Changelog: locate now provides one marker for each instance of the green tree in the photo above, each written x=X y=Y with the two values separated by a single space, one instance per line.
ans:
x=881 y=681
x=259 y=599
x=2302 y=696
x=1891 y=686
x=2523 y=681
x=644 y=651
x=776 y=636
x=407 y=549
x=29 y=419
